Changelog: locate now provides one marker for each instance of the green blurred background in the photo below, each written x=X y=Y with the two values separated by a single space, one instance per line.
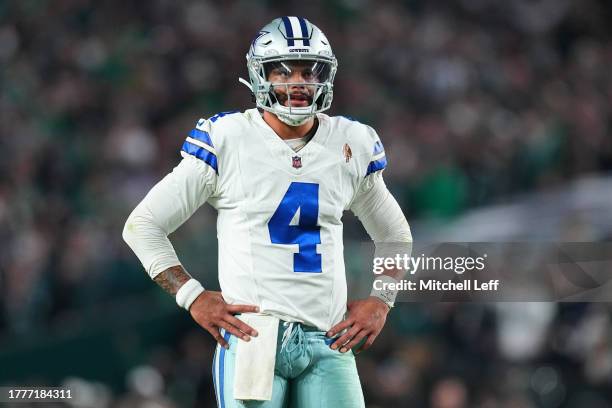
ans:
x=496 y=119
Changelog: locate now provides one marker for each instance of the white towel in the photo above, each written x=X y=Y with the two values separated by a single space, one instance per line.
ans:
x=255 y=359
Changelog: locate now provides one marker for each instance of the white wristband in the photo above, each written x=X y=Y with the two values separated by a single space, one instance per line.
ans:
x=385 y=294
x=188 y=293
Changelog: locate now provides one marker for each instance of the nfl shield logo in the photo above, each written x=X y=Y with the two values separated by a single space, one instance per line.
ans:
x=296 y=161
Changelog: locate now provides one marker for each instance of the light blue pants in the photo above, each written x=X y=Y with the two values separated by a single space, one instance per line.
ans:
x=308 y=373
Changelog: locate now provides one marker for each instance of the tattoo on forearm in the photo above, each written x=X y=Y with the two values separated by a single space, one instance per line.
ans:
x=172 y=279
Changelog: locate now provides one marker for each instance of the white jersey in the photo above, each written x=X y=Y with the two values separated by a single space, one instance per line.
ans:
x=279 y=212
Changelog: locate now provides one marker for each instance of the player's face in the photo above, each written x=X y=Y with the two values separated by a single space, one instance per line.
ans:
x=295 y=75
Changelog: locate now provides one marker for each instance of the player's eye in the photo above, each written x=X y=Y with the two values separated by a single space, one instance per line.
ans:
x=284 y=69
x=280 y=72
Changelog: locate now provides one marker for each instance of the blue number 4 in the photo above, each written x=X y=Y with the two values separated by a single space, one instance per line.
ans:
x=302 y=197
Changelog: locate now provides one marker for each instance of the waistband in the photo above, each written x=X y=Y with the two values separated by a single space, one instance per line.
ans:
x=304 y=327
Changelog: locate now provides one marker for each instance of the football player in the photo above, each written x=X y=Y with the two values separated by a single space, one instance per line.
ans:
x=280 y=177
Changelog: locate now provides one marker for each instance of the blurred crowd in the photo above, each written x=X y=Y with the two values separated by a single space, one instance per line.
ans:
x=508 y=355
x=476 y=101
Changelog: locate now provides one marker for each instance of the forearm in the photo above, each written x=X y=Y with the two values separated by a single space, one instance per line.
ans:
x=149 y=241
x=386 y=224
x=172 y=279
x=168 y=205
x=177 y=282
x=383 y=220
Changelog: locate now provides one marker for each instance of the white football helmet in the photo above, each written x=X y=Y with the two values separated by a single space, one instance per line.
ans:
x=278 y=45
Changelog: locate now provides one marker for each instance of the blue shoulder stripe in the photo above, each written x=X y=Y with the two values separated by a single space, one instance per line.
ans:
x=202 y=154
x=214 y=118
x=378 y=147
x=201 y=136
x=377 y=165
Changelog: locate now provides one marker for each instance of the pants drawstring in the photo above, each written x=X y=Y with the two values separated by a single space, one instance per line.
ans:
x=293 y=337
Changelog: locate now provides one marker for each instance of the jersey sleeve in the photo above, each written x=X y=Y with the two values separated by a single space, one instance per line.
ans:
x=199 y=144
x=377 y=160
x=371 y=161
x=372 y=202
x=380 y=214
x=168 y=205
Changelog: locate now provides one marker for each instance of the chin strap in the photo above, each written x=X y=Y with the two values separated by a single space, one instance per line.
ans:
x=286 y=117
x=292 y=120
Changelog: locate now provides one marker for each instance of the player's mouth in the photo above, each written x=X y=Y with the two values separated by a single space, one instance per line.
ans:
x=299 y=99
x=295 y=99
